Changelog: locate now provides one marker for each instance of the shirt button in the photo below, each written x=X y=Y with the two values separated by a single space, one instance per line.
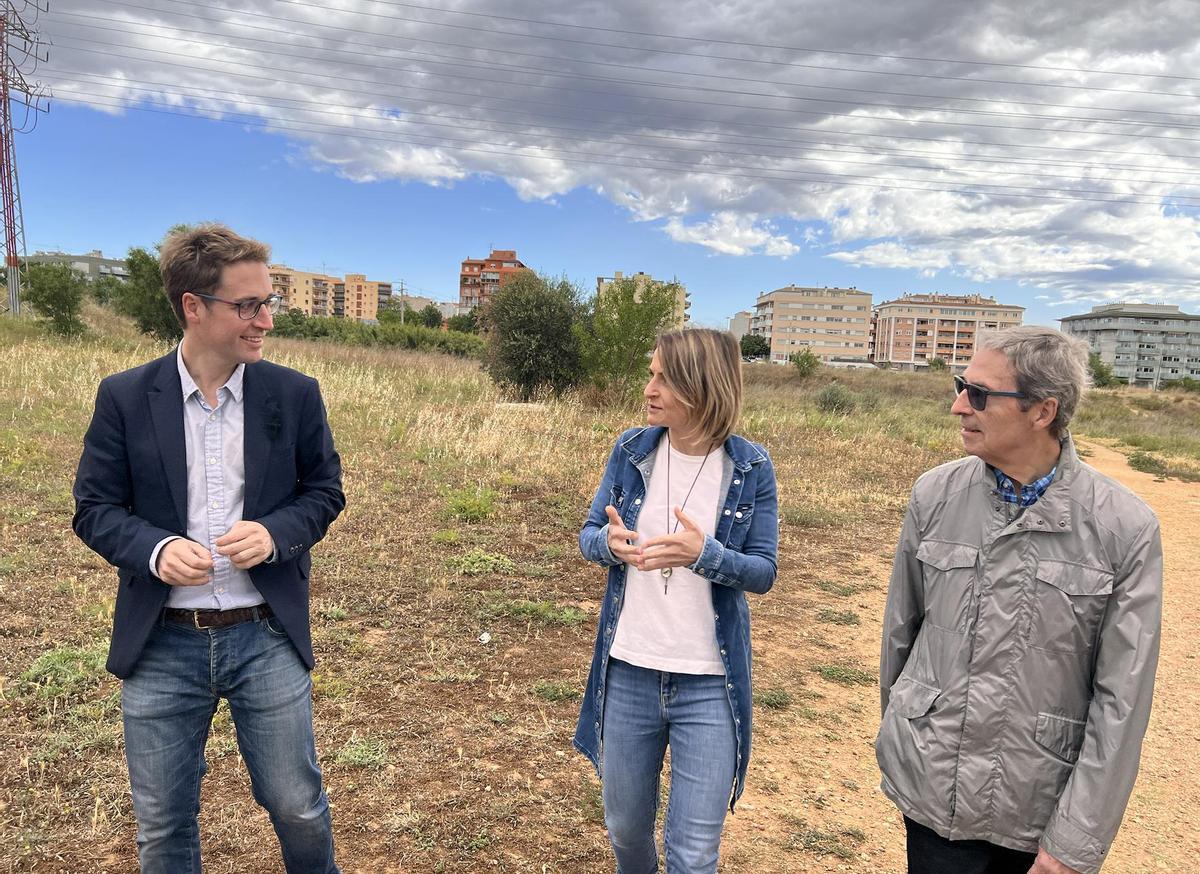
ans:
x=727 y=512
x=738 y=514
x=216 y=504
x=700 y=571
x=212 y=461
x=637 y=500
x=737 y=482
x=731 y=685
x=212 y=417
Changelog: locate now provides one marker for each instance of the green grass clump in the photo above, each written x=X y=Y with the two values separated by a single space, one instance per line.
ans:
x=549 y=690
x=471 y=505
x=477 y=562
x=544 y=612
x=65 y=671
x=774 y=699
x=838 y=617
x=361 y=752
x=845 y=675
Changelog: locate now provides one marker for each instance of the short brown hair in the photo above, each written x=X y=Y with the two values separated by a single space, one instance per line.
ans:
x=191 y=259
x=703 y=367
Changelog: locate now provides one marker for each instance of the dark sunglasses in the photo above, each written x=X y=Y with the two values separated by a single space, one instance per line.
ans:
x=977 y=395
x=247 y=309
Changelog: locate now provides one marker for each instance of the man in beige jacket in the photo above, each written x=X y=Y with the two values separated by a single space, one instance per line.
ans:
x=1021 y=633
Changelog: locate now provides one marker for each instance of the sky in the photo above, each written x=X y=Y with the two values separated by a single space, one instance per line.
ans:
x=1042 y=154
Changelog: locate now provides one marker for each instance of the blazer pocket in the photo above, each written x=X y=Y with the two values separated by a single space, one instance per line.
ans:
x=1070 y=604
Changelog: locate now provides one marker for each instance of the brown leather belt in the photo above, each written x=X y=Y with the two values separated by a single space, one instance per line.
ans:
x=217 y=618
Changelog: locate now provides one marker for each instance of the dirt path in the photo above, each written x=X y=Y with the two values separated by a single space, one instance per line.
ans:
x=812 y=803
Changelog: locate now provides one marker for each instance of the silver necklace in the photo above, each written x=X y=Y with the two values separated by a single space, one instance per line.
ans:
x=666 y=572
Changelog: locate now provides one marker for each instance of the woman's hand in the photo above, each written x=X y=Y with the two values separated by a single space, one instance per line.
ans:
x=680 y=549
x=620 y=539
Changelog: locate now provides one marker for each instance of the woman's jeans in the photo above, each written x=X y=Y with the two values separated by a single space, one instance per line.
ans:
x=168 y=704
x=644 y=711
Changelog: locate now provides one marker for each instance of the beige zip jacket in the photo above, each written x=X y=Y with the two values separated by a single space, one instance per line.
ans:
x=1019 y=651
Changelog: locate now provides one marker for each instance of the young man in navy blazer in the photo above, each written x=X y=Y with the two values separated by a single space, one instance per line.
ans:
x=206 y=478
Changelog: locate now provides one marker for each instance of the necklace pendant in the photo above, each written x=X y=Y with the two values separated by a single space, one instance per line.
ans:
x=666 y=575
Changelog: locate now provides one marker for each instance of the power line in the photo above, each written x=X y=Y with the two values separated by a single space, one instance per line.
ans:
x=560 y=59
x=590 y=160
x=822 y=114
x=753 y=45
x=479 y=127
x=657 y=116
x=709 y=56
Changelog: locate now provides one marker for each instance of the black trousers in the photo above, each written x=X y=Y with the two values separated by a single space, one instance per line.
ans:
x=930 y=853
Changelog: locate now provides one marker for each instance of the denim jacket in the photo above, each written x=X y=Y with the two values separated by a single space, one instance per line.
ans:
x=740 y=558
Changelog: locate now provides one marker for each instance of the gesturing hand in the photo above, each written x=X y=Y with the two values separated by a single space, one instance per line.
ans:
x=1047 y=864
x=680 y=549
x=184 y=562
x=247 y=544
x=619 y=537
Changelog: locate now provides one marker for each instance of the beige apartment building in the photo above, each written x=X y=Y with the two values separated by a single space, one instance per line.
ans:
x=317 y=294
x=916 y=328
x=683 y=300
x=833 y=323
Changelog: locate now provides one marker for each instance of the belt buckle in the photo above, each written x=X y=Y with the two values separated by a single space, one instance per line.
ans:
x=196 y=621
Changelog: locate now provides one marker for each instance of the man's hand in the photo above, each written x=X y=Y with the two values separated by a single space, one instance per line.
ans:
x=247 y=544
x=620 y=537
x=1047 y=864
x=680 y=549
x=184 y=562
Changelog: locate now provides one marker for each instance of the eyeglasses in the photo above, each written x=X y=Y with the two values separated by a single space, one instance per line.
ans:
x=247 y=309
x=978 y=396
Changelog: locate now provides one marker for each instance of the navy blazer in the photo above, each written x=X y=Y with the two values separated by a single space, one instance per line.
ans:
x=131 y=490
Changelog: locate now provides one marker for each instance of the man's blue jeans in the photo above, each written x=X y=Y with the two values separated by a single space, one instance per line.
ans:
x=644 y=711
x=168 y=704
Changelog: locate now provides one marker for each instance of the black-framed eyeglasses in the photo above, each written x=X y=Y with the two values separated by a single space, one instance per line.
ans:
x=977 y=395
x=247 y=310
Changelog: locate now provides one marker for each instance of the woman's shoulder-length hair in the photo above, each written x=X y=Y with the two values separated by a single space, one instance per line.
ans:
x=703 y=368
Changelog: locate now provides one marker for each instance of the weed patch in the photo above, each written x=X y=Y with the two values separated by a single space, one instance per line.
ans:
x=845 y=675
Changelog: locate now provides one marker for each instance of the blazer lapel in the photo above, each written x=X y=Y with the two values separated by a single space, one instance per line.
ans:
x=262 y=424
x=166 y=414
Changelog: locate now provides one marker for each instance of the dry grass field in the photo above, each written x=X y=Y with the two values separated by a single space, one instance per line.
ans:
x=443 y=753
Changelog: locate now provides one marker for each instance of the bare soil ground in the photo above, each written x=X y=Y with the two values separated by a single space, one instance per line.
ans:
x=443 y=753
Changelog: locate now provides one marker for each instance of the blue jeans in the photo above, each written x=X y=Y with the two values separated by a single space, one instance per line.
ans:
x=168 y=704
x=644 y=711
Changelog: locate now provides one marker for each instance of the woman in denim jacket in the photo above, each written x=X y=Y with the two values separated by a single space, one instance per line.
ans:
x=686 y=521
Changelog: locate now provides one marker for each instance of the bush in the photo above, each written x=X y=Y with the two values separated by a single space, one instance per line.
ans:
x=1102 y=374
x=532 y=342
x=143 y=299
x=1185 y=383
x=755 y=346
x=351 y=333
x=55 y=291
x=836 y=398
x=806 y=362
x=937 y=365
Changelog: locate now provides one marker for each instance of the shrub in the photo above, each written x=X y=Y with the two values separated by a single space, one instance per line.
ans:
x=806 y=362
x=532 y=342
x=55 y=291
x=835 y=398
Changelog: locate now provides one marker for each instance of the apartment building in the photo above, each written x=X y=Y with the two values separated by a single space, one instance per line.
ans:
x=832 y=323
x=683 y=301
x=359 y=298
x=480 y=278
x=91 y=266
x=916 y=328
x=739 y=325
x=311 y=293
x=1145 y=344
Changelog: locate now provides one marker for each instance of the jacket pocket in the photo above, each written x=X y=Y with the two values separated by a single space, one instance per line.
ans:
x=910 y=753
x=1061 y=735
x=948 y=575
x=1070 y=604
x=740 y=526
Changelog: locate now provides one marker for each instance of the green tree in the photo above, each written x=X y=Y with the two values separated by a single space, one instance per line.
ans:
x=806 y=362
x=619 y=331
x=532 y=344
x=394 y=311
x=105 y=289
x=1102 y=374
x=937 y=365
x=143 y=299
x=467 y=323
x=755 y=346
x=429 y=316
x=56 y=292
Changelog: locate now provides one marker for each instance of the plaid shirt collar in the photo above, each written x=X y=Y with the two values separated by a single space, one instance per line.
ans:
x=1028 y=496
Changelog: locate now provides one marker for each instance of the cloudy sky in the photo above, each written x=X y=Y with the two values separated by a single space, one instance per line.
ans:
x=1046 y=154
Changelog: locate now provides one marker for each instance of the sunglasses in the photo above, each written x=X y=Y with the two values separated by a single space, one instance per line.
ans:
x=977 y=395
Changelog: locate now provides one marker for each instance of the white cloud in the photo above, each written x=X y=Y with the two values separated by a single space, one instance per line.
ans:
x=730 y=233
x=987 y=172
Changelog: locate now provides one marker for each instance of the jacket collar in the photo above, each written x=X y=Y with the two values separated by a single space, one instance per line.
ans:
x=643 y=441
x=1054 y=507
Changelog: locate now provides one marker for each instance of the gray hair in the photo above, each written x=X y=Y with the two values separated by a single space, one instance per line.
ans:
x=1048 y=364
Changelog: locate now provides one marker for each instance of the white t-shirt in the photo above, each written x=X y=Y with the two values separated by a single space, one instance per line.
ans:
x=673 y=631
